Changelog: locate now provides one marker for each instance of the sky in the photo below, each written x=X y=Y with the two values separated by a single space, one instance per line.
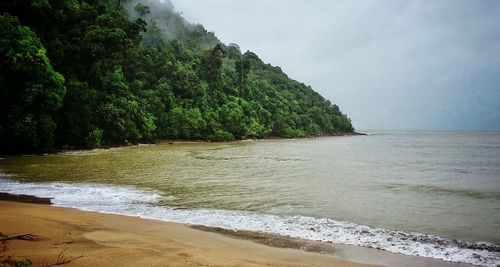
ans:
x=388 y=64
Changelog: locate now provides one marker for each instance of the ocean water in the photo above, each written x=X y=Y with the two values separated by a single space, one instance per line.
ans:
x=430 y=194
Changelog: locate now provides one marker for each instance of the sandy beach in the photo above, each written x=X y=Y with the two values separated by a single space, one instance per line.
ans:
x=96 y=239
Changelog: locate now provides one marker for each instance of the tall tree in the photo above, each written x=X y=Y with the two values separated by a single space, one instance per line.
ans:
x=31 y=91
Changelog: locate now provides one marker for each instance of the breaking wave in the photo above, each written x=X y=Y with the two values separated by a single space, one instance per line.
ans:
x=146 y=204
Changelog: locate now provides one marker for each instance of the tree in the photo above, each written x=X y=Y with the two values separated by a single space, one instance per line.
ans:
x=141 y=10
x=243 y=69
x=86 y=74
x=120 y=114
x=232 y=119
x=31 y=91
x=186 y=123
x=213 y=66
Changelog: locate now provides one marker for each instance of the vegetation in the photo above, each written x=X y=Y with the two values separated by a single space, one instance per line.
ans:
x=8 y=261
x=88 y=73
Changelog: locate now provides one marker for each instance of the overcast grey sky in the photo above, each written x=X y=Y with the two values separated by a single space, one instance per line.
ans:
x=387 y=64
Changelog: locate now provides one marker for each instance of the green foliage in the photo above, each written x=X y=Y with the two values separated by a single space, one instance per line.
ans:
x=254 y=129
x=94 y=73
x=293 y=133
x=185 y=123
x=94 y=138
x=221 y=136
x=31 y=90
x=9 y=262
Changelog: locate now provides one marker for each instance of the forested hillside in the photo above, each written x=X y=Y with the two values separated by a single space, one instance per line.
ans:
x=88 y=73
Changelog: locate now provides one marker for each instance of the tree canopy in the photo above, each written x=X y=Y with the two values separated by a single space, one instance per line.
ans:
x=90 y=73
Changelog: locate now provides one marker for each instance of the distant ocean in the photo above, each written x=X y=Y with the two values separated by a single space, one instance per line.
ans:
x=430 y=194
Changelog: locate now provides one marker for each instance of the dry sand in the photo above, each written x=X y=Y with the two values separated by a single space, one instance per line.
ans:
x=114 y=240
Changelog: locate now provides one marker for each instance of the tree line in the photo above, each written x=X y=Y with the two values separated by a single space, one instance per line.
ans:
x=91 y=73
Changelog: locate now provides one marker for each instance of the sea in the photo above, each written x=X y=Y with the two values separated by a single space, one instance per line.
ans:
x=428 y=194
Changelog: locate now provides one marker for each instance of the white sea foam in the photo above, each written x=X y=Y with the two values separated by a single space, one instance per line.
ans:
x=143 y=203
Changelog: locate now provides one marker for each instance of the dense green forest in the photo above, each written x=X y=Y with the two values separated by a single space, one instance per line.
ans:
x=91 y=73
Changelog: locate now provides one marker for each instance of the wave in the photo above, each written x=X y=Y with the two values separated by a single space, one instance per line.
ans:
x=430 y=189
x=198 y=155
x=150 y=204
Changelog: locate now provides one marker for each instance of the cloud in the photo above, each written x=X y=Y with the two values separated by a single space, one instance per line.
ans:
x=387 y=64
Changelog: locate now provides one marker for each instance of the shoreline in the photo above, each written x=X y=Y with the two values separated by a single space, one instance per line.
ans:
x=69 y=149
x=96 y=239
x=56 y=219
x=194 y=141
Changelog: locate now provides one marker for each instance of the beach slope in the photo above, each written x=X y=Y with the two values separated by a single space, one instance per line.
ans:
x=94 y=239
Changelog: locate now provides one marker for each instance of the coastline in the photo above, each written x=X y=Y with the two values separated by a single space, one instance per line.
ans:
x=109 y=239
x=69 y=149
x=87 y=187
x=96 y=239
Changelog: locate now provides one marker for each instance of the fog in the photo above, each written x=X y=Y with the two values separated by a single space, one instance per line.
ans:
x=432 y=65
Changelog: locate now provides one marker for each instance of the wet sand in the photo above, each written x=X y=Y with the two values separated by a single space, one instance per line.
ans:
x=96 y=239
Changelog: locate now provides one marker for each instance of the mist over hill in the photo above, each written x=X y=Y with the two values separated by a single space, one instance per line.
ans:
x=171 y=23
